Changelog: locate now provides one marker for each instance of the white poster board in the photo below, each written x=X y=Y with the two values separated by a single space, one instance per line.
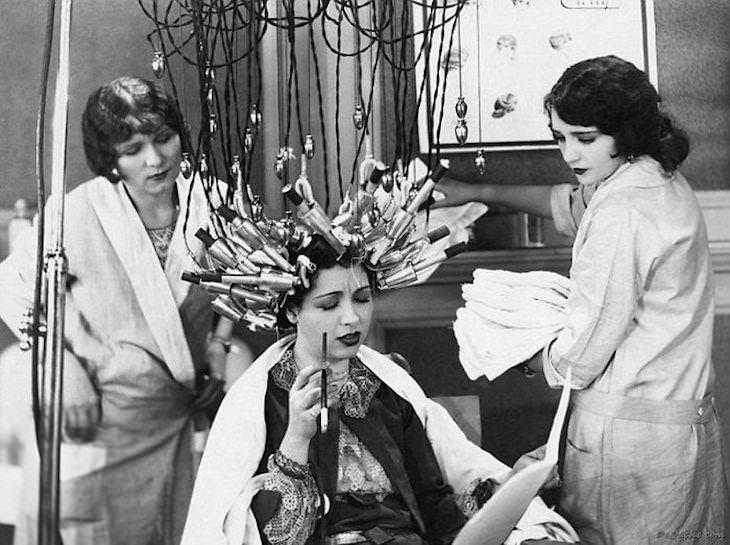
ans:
x=498 y=516
x=506 y=55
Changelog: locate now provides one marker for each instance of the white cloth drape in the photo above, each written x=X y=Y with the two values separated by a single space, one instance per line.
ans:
x=219 y=511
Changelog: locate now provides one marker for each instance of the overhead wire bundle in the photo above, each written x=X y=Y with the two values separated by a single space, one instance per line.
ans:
x=212 y=50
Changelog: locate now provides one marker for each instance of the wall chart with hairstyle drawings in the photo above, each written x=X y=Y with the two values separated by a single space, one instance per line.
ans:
x=502 y=57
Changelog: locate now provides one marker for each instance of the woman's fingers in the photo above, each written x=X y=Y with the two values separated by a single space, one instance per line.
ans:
x=453 y=193
x=442 y=198
x=79 y=422
x=306 y=390
x=70 y=423
x=309 y=398
x=258 y=481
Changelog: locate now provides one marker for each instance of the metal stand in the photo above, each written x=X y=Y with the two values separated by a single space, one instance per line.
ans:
x=56 y=274
x=51 y=394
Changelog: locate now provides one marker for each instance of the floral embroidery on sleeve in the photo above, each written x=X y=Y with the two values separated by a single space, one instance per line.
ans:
x=296 y=518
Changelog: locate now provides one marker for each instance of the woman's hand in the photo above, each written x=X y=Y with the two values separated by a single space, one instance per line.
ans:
x=456 y=193
x=209 y=392
x=553 y=481
x=216 y=356
x=304 y=408
x=211 y=381
x=304 y=402
x=81 y=403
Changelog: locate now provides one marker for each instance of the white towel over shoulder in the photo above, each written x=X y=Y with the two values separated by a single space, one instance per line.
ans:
x=507 y=318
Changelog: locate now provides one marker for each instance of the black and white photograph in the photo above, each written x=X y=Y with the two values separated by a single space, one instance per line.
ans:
x=365 y=272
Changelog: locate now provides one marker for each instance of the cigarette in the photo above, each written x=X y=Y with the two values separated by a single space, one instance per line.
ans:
x=323 y=414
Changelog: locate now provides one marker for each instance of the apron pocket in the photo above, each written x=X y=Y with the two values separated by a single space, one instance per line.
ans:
x=582 y=473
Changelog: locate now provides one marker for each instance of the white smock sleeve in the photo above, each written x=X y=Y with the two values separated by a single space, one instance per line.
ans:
x=17 y=280
x=17 y=284
x=605 y=287
x=568 y=204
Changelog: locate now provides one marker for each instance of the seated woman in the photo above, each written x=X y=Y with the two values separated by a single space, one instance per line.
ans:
x=392 y=467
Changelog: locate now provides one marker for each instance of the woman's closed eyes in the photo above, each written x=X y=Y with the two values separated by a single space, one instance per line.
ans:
x=331 y=301
x=134 y=146
x=164 y=135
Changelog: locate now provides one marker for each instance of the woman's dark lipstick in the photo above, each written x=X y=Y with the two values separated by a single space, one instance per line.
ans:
x=160 y=175
x=351 y=339
x=580 y=171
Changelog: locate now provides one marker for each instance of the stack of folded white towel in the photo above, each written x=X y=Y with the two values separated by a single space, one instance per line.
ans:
x=508 y=317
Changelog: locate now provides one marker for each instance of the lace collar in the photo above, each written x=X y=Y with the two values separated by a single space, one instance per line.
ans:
x=356 y=394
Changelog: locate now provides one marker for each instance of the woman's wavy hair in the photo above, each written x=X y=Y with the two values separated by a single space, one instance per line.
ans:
x=324 y=257
x=118 y=110
x=616 y=97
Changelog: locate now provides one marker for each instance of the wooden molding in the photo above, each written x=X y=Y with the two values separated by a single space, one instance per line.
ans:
x=716 y=209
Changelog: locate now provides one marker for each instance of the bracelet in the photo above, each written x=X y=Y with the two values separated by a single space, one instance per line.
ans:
x=226 y=344
x=476 y=494
x=525 y=370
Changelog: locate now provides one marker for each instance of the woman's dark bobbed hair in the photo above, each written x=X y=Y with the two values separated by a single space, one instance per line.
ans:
x=118 y=110
x=616 y=97
x=321 y=254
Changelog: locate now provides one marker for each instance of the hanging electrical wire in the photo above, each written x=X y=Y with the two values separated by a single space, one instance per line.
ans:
x=365 y=44
x=369 y=42
x=205 y=34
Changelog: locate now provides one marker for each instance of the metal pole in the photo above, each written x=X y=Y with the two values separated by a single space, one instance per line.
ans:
x=48 y=516
x=56 y=272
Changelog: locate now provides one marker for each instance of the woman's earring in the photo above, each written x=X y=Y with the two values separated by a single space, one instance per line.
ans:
x=115 y=173
x=291 y=316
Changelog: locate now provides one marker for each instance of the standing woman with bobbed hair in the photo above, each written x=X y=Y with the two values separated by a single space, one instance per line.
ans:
x=643 y=457
x=140 y=360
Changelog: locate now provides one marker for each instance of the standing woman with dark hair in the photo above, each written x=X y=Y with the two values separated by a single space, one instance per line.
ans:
x=137 y=336
x=643 y=456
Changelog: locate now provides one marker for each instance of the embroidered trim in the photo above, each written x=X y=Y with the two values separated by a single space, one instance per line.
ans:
x=161 y=241
x=359 y=472
x=356 y=394
x=359 y=390
x=288 y=467
x=284 y=372
x=296 y=516
x=476 y=494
